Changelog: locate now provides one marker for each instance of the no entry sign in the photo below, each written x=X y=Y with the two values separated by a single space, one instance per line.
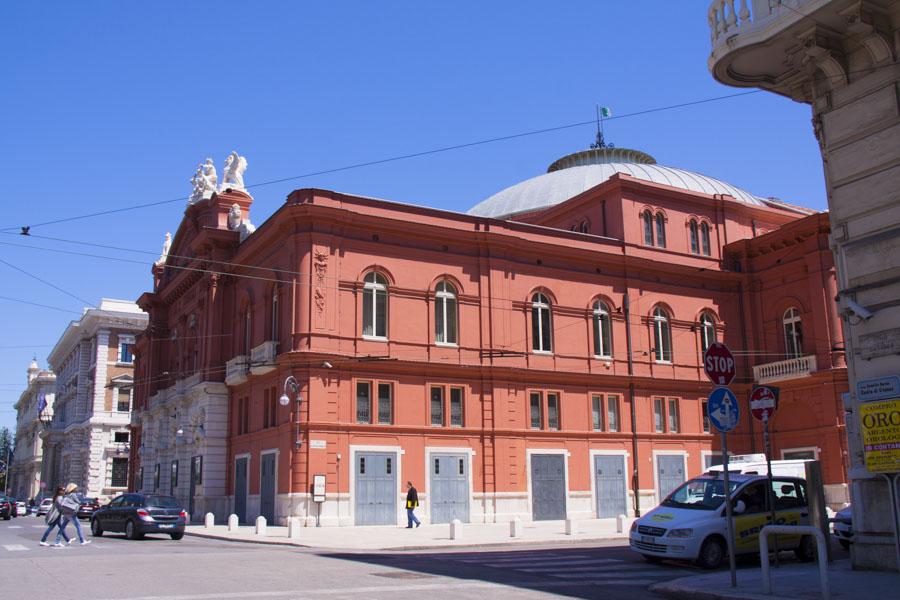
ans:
x=718 y=362
x=763 y=402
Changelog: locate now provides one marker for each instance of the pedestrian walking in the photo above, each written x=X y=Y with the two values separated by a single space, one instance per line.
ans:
x=53 y=517
x=69 y=506
x=412 y=502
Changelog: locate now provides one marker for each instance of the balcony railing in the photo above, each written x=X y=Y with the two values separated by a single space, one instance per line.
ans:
x=262 y=358
x=792 y=368
x=728 y=18
x=236 y=370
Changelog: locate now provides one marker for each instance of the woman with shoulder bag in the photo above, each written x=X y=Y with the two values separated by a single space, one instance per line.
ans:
x=52 y=519
x=69 y=506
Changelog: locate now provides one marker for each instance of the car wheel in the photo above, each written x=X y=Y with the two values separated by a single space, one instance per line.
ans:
x=712 y=553
x=806 y=551
x=131 y=531
x=844 y=544
x=7 y=518
x=96 y=529
x=177 y=536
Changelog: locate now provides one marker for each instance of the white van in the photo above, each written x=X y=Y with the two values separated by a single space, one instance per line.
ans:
x=690 y=523
x=755 y=464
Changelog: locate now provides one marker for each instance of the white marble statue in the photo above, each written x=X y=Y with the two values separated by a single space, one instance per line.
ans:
x=165 y=251
x=204 y=181
x=236 y=222
x=233 y=174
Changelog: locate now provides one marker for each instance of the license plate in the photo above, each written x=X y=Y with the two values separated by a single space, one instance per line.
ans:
x=166 y=526
x=647 y=539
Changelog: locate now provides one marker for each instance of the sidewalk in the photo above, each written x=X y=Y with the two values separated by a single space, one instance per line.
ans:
x=792 y=582
x=426 y=536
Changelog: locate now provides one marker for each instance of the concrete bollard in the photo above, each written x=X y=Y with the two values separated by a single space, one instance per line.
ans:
x=210 y=520
x=455 y=529
x=260 y=525
x=620 y=523
x=515 y=528
x=294 y=524
x=571 y=527
x=232 y=523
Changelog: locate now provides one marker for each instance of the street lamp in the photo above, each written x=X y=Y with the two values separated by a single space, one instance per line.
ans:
x=292 y=383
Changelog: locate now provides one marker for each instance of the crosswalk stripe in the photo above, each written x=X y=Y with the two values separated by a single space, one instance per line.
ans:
x=15 y=547
x=592 y=575
x=641 y=582
x=539 y=564
x=531 y=559
x=14 y=527
x=38 y=526
x=576 y=569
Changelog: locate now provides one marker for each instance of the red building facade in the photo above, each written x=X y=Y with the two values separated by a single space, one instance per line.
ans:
x=539 y=358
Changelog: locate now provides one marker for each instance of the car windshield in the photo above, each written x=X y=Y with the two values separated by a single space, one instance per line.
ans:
x=699 y=494
x=161 y=501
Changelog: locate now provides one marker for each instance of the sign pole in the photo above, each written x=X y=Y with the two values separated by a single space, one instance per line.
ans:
x=771 y=492
x=730 y=522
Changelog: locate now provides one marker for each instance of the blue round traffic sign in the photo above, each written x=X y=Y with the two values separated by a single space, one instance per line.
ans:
x=723 y=409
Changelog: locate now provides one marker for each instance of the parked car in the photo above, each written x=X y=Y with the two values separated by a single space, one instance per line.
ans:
x=87 y=508
x=6 y=508
x=690 y=523
x=44 y=507
x=140 y=514
x=21 y=508
x=842 y=527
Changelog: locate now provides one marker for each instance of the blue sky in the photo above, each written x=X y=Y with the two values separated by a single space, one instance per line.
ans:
x=111 y=104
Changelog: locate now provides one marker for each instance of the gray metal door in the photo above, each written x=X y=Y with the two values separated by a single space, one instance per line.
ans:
x=376 y=488
x=240 y=488
x=267 y=487
x=548 y=487
x=669 y=473
x=196 y=461
x=449 y=488
x=609 y=475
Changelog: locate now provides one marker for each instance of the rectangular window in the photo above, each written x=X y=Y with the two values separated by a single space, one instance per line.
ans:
x=125 y=355
x=156 y=478
x=174 y=477
x=705 y=417
x=437 y=406
x=535 y=406
x=120 y=437
x=674 y=420
x=243 y=420
x=597 y=412
x=363 y=402
x=141 y=479
x=710 y=460
x=273 y=409
x=456 y=407
x=798 y=454
x=553 y=410
x=120 y=472
x=385 y=404
x=658 y=415
x=612 y=413
x=123 y=403
x=266 y=406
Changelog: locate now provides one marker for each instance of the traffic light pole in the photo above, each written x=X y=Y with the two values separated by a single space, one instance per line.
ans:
x=728 y=516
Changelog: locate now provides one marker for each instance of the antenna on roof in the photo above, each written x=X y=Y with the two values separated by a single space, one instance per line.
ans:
x=602 y=112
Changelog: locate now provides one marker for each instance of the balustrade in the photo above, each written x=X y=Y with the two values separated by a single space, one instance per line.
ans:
x=784 y=369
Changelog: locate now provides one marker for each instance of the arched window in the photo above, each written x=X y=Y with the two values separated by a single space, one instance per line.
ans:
x=647 y=218
x=793 y=333
x=248 y=331
x=273 y=323
x=541 y=336
x=375 y=305
x=704 y=237
x=584 y=227
x=695 y=237
x=707 y=331
x=660 y=230
x=445 y=313
x=662 y=335
x=602 y=330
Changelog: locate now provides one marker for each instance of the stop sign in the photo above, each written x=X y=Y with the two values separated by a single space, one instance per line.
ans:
x=763 y=402
x=718 y=362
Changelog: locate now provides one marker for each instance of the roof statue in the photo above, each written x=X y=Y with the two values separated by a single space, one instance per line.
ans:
x=165 y=251
x=204 y=181
x=237 y=223
x=233 y=173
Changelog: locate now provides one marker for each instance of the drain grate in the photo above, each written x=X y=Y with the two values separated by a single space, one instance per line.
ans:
x=403 y=575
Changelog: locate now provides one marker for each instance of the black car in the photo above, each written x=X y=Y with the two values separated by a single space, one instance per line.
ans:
x=87 y=508
x=6 y=508
x=139 y=514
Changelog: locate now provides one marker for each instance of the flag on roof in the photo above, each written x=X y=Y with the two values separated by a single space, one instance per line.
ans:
x=605 y=111
x=42 y=404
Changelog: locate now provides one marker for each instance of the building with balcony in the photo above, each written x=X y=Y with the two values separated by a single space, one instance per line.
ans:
x=88 y=438
x=841 y=58
x=538 y=357
x=33 y=410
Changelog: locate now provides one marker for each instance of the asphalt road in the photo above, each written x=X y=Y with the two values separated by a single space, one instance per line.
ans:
x=157 y=568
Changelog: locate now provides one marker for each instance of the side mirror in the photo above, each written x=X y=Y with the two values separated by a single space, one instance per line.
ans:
x=739 y=508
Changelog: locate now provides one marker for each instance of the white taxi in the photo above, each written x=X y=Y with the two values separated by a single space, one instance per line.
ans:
x=690 y=523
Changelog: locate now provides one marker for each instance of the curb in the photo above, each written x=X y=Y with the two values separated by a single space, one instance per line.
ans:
x=682 y=591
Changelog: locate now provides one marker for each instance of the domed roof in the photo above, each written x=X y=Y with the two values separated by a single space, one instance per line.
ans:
x=578 y=172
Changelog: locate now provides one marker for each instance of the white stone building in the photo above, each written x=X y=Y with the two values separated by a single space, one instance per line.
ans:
x=841 y=58
x=34 y=408
x=88 y=442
